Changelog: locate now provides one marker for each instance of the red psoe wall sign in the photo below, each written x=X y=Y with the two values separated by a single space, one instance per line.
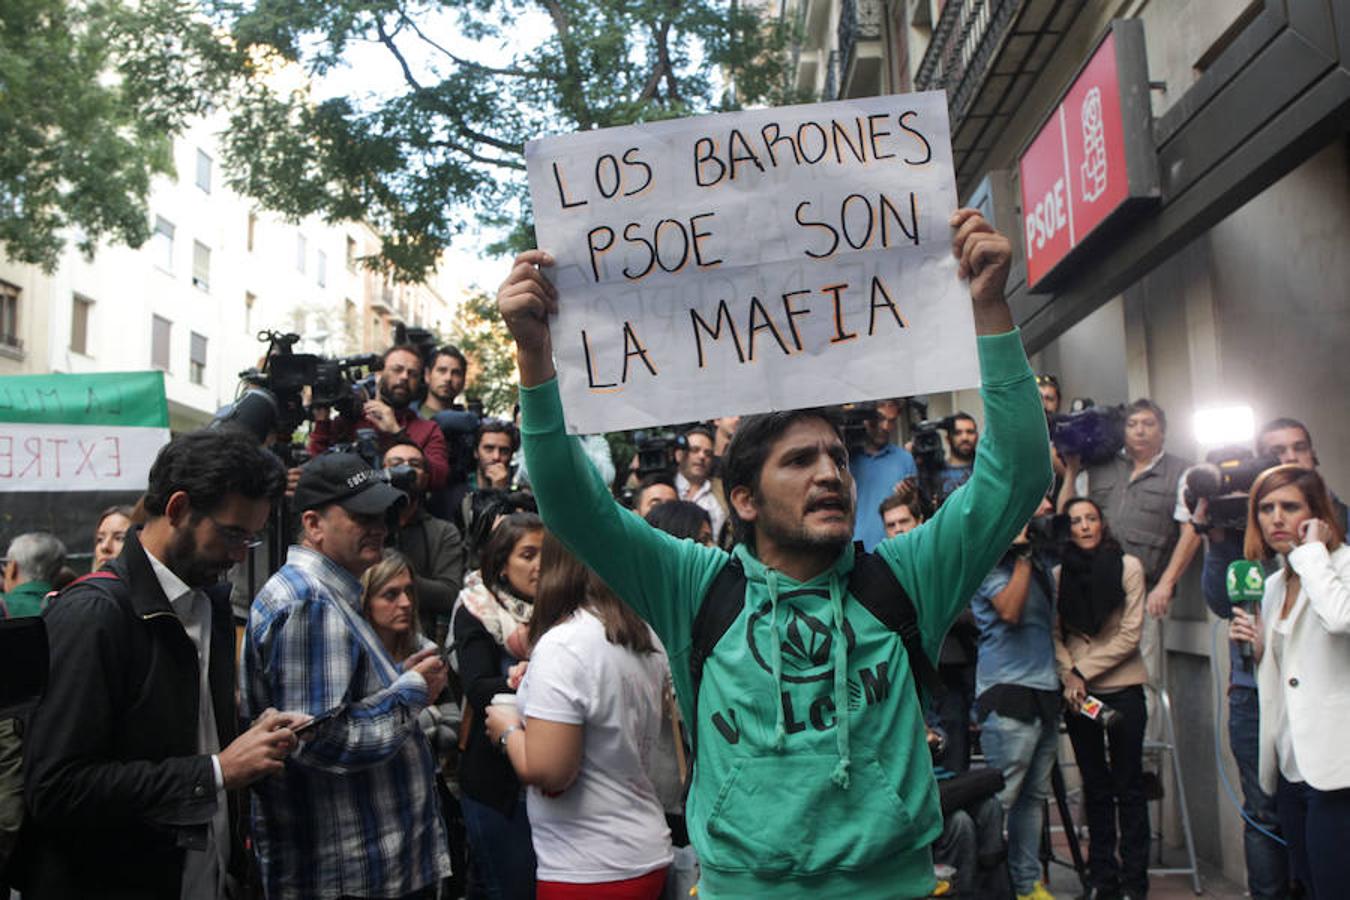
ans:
x=1093 y=158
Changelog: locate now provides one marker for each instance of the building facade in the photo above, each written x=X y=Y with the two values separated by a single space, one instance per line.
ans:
x=193 y=299
x=1224 y=286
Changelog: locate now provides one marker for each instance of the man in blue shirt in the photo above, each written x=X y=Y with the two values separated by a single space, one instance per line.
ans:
x=878 y=466
x=1017 y=697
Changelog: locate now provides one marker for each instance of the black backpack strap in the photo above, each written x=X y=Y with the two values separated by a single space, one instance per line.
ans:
x=721 y=605
x=875 y=586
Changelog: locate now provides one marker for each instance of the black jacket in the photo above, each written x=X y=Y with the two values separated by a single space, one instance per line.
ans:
x=485 y=774
x=436 y=551
x=114 y=786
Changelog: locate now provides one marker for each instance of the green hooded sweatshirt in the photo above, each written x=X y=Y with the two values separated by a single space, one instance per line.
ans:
x=812 y=777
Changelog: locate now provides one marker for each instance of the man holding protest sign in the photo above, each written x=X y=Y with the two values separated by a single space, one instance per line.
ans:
x=812 y=775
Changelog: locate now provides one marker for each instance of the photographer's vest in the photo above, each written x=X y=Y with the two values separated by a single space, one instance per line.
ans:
x=1140 y=512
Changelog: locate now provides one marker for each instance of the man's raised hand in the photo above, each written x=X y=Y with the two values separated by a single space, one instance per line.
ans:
x=983 y=256
x=526 y=299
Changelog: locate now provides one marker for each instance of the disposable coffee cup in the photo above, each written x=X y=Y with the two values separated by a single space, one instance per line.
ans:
x=503 y=700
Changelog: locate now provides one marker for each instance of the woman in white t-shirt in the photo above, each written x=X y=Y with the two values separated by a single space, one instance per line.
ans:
x=591 y=704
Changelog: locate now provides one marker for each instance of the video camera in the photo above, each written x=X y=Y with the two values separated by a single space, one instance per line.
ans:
x=1224 y=479
x=656 y=451
x=1093 y=433
x=930 y=455
x=1047 y=532
x=274 y=405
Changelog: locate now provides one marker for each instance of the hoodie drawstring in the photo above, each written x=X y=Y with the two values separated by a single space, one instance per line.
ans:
x=841 y=735
x=776 y=657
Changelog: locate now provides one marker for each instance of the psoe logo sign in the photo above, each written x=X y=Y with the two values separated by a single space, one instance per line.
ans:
x=806 y=641
x=1093 y=170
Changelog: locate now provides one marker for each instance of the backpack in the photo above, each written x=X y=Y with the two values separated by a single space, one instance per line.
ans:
x=871 y=582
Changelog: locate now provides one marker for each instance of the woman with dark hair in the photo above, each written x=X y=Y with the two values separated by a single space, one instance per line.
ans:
x=590 y=709
x=1302 y=642
x=109 y=533
x=490 y=628
x=683 y=519
x=1099 y=620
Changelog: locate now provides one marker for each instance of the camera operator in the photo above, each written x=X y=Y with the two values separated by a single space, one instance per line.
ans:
x=1139 y=492
x=962 y=439
x=390 y=415
x=878 y=468
x=1288 y=441
x=434 y=547
x=1050 y=397
x=1017 y=694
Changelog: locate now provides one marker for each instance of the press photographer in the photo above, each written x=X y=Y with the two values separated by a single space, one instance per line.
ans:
x=389 y=414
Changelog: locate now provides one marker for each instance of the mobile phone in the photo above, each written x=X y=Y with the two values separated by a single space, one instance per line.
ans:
x=308 y=729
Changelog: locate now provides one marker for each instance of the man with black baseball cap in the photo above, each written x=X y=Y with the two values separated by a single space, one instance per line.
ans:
x=365 y=768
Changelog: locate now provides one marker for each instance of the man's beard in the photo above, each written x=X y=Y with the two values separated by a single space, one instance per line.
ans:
x=387 y=396
x=791 y=533
x=195 y=571
x=963 y=454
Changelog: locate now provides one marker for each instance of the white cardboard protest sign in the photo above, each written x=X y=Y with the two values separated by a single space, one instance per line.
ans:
x=753 y=261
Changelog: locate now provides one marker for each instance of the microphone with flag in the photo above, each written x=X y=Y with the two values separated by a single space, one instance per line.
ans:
x=1246 y=585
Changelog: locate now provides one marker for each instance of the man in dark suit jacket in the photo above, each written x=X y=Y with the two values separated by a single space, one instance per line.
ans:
x=129 y=757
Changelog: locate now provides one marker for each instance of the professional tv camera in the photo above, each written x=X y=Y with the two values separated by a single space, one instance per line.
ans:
x=930 y=455
x=273 y=405
x=656 y=451
x=1224 y=479
x=1093 y=433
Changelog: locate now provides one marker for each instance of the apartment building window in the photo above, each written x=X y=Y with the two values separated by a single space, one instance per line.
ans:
x=201 y=266
x=161 y=243
x=252 y=231
x=197 y=359
x=301 y=251
x=250 y=300
x=351 y=254
x=160 y=331
x=80 y=309
x=203 y=172
x=321 y=264
x=9 y=316
x=349 y=318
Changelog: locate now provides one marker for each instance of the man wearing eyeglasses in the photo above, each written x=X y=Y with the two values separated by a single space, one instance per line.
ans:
x=433 y=546
x=132 y=759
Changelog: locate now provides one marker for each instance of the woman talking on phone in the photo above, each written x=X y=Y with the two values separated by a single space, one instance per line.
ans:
x=1302 y=642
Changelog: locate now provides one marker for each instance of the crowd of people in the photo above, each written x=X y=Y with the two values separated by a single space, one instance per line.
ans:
x=819 y=670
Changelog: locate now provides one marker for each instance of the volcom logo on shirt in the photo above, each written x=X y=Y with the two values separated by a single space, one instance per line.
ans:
x=806 y=640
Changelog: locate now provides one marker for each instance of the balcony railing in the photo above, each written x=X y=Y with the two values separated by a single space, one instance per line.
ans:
x=967 y=35
x=859 y=20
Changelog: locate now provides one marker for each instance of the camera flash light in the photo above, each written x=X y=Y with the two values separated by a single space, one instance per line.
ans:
x=1225 y=426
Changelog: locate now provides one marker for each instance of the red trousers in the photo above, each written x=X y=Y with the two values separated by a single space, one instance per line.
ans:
x=644 y=887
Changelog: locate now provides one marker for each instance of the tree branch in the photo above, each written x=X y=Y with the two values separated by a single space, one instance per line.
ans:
x=460 y=125
x=512 y=72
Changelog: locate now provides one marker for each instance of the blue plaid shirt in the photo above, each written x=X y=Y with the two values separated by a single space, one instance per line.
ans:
x=356 y=812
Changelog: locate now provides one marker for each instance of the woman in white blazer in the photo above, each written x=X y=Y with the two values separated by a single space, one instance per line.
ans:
x=1302 y=640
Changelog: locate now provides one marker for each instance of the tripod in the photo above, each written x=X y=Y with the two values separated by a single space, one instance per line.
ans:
x=1070 y=833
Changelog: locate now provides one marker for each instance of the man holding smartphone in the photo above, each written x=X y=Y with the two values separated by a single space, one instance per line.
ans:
x=132 y=758
x=356 y=812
